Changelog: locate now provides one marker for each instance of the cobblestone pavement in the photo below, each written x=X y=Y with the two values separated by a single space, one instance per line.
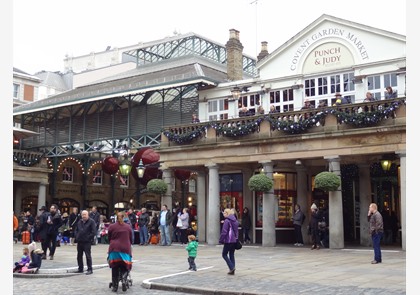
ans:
x=259 y=270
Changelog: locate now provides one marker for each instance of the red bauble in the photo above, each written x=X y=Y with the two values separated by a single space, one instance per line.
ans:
x=182 y=174
x=110 y=165
x=148 y=156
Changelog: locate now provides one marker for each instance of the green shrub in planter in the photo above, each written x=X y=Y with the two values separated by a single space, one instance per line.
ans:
x=157 y=186
x=327 y=181
x=260 y=183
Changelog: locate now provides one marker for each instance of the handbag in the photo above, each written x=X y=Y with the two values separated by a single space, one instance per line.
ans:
x=238 y=245
x=179 y=223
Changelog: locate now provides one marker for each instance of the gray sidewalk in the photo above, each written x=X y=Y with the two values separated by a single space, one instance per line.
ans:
x=259 y=270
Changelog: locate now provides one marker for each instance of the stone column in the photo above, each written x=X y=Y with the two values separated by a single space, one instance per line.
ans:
x=269 y=207
x=201 y=206
x=213 y=217
x=403 y=193
x=336 y=226
x=167 y=197
x=18 y=200
x=249 y=200
x=365 y=200
x=42 y=196
x=302 y=198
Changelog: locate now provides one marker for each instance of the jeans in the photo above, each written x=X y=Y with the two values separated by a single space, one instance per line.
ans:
x=165 y=236
x=229 y=248
x=246 y=233
x=144 y=237
x=191 y=262
x=376 y=240
x=298 y=233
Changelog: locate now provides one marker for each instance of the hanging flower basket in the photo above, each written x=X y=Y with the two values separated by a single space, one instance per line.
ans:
x=157 y=186
x=260 y=183
x=327 y=181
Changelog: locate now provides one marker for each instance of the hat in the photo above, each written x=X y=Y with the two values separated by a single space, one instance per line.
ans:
x=43 y=208
x=314 y=206
x=337 y=94
x=31 y=247
x=65 y=215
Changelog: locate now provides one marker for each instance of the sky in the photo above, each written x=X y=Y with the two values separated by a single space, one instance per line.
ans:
x=44 y=32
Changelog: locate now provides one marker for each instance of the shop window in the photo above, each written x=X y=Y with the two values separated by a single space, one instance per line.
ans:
x=97 y=177
x=231 y=194
x=68 y=174
x=286 y=194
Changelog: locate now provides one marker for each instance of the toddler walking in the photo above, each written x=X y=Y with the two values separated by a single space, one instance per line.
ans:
x=192 y=248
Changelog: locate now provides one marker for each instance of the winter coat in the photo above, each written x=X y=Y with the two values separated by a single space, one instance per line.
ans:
x=376 y=223
x=168 y=218
x=50 y=229
x=120 y=238
x=143 y=219
x=229 y=232
x=185 y=220
x=192 y=248
x=298 y=217
x=85 y=231
x=315 y=217
x=246 y=220
x=36 y=259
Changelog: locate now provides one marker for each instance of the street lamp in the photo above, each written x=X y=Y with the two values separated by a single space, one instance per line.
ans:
x=125 y=166
x=140 y=169
x=236 y=92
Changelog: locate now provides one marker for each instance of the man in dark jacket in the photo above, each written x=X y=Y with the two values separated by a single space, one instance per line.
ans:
x=50 y=223
x=84 y=233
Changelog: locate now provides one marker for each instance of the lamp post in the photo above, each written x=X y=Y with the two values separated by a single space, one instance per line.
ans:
x=140 y=173
x=125 y=166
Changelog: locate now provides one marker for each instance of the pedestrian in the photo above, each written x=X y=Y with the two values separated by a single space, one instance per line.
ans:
x=119 y=250
x=185 y=219
x=28 y=223
x=73 y=219
x=376 y=230
x=246 y=225
x=143 y=223
x=15 y=227
x=228 y=238
x=164 y=220
x=95 y=215
x=50 y=223
x=192 y=248
x=85 y=233
x=315 y=217
x=298 y=218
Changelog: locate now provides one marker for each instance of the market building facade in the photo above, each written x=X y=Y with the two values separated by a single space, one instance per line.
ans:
x=207 y=165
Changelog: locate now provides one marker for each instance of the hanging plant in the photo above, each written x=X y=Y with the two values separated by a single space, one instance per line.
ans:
x=260 y=183
x=327 y=181
x=157 y=186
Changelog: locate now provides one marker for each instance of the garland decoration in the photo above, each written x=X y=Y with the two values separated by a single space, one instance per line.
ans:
x=26 y=161
x=187 y=137
x=300 y=125
x=292 y=127
x=236 y=129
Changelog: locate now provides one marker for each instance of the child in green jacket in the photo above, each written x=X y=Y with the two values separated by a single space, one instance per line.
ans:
x=192 y=248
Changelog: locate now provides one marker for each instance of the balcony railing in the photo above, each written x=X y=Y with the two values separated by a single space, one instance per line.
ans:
x=359 y=115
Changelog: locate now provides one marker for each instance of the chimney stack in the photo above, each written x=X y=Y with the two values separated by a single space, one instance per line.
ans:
x=264 y=51
x=234 y=50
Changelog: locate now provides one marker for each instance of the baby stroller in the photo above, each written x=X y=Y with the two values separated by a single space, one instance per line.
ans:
x=124 y=277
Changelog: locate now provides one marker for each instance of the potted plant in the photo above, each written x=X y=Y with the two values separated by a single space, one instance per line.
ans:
x=157 y=186
x=327 y=181
x=260 y=183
